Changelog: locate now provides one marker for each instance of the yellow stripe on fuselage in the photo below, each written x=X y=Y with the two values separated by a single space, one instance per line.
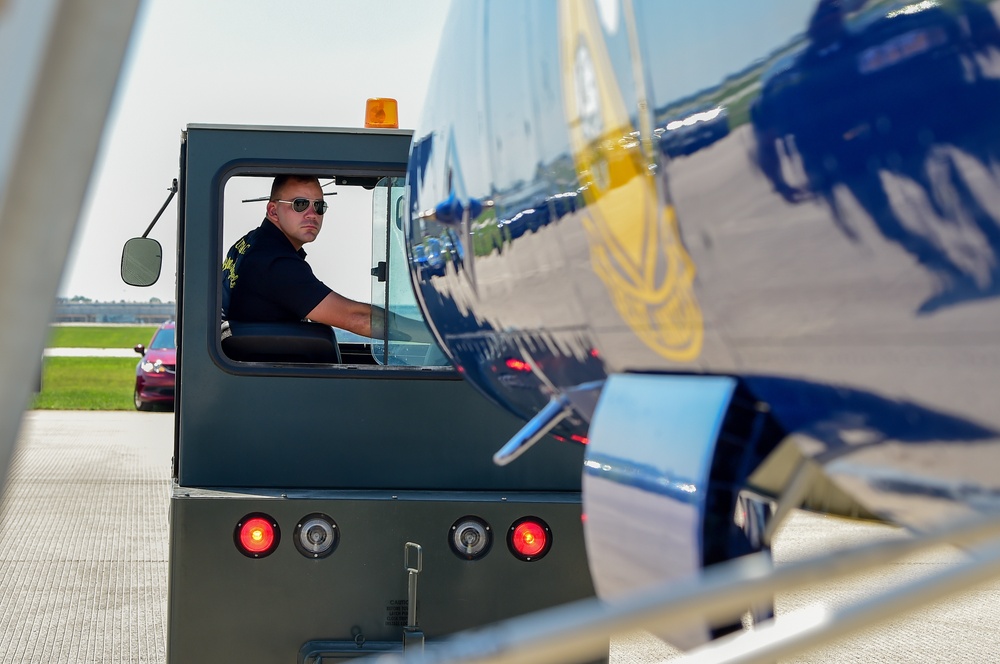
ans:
x=635 y=244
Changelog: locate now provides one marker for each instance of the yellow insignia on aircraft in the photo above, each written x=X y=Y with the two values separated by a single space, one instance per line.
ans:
x=635 y=245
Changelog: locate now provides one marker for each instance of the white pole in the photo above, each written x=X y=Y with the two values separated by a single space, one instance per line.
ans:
x=59 y=64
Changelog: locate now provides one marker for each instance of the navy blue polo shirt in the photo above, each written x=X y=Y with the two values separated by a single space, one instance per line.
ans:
x=265 y=280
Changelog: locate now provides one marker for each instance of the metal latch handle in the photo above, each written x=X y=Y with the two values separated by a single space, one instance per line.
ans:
x=413 y=561
x=413 y=552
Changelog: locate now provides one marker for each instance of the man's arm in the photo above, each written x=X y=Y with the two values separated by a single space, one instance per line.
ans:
x=339 y=311
x=366 y=320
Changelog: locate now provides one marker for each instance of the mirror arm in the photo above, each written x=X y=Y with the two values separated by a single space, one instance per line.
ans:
x=173 y=190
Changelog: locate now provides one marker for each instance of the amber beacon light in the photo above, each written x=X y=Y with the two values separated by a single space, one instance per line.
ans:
x=257 y=535
x=381 y=113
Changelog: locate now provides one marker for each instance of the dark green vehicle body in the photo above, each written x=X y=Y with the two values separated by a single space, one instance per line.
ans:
x=392 y=453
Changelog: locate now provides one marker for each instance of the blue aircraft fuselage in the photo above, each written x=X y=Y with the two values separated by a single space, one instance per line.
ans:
x=802 y=196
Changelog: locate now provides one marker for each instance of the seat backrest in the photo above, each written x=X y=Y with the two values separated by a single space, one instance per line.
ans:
x=301 y=341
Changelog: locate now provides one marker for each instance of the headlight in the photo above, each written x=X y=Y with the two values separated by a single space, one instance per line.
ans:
x=152 y=367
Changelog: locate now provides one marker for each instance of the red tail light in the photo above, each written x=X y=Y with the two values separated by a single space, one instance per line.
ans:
x=529 y=539
x=515 y=364
x=257 y=535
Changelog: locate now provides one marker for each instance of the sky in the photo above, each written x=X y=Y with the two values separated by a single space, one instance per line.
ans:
x=312 y=63
x=308 y=62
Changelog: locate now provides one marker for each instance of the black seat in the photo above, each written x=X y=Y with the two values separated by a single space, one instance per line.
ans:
x=302 y=341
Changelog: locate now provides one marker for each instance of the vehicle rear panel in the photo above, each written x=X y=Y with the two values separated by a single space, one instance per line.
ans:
x=226 y=606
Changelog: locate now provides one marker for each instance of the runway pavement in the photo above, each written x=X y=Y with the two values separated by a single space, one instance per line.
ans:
x=83 y=557
x=83 y=538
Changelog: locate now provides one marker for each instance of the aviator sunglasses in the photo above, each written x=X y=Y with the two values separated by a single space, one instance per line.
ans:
x=300 y=204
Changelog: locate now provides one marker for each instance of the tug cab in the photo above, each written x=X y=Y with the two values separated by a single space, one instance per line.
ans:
x=317 y=475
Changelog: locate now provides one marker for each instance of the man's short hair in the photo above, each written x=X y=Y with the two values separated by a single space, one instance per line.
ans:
x=281 y=180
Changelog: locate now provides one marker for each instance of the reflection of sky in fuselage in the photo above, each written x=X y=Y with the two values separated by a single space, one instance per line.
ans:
x=699 y=404
x=666 y=29
x=705 y=62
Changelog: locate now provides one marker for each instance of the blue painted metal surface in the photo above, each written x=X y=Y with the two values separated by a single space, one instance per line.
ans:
x=646 y=502
x=801 y=195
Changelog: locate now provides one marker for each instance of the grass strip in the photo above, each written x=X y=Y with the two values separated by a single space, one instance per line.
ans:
x=111 y=336
x=87 y=383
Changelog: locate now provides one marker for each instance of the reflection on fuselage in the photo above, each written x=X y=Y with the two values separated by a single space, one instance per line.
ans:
x=901 y=106
x=819 y=203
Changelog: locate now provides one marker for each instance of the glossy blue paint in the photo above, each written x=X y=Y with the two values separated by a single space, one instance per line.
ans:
x=804 y=196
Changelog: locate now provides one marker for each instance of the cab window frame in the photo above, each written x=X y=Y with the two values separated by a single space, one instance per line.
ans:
x=325 y=171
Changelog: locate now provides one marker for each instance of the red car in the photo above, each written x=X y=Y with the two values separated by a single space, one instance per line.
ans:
x=154 y=375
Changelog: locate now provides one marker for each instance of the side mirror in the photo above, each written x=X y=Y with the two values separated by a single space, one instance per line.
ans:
x=141 y=261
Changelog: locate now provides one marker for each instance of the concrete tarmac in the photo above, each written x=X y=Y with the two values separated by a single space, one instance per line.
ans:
x=83 y=538
x=83 y=558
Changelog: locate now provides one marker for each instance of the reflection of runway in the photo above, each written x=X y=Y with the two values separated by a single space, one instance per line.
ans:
x=636 y=538
x=619 y=512
x=958 y=630
x=787 y=292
